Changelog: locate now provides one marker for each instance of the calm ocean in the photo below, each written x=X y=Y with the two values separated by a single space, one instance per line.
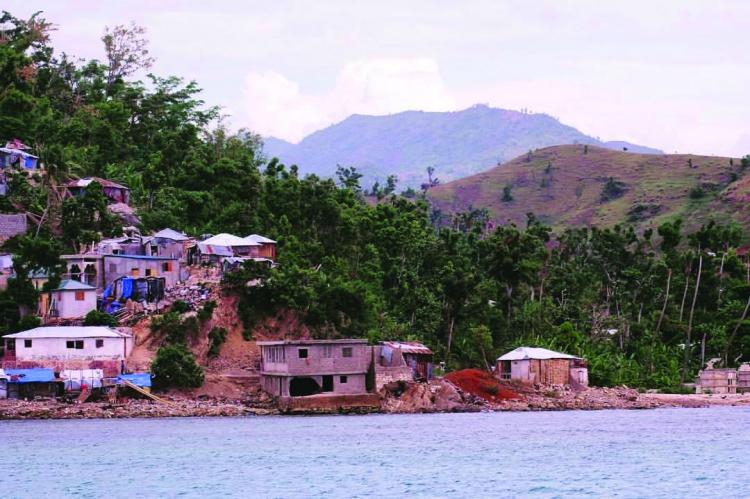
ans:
x=671 y=453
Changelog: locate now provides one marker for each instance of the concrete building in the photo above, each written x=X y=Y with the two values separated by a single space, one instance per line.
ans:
x=70 y=300
x=716 y=380
x=115 y=192
x=68 y=347
x=102 y=270
x=308 y=367
x=743 y=378
x=398 y=357
x=167 y=243
x=539 y=365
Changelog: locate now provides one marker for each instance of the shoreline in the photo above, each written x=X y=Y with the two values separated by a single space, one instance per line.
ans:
x=180 y=407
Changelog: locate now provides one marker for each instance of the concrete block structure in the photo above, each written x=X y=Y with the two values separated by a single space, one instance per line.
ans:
x=312 y=367
x=539 y=365
x=70 y=300
x=102 y=270
x=716 y=381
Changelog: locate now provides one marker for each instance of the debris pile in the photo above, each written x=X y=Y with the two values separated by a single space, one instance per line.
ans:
x=482 y=384
x=439 y=395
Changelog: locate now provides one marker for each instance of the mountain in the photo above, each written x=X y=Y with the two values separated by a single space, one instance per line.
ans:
x=570 y=186
x=457 y=143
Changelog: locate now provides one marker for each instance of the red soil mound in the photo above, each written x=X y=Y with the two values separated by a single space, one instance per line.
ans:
x=482 y=384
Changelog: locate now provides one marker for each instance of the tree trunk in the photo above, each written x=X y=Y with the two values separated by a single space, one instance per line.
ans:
x=686 y=359
x=684 y=295
x=664 y=305
x=734 y=332
x=450 y=338
x=721 y=280
x=509 y=295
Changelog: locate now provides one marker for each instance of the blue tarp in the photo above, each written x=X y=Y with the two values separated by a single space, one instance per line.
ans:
x=138 y=379
x=107 y=292
x=36 y=375
x=127 y=288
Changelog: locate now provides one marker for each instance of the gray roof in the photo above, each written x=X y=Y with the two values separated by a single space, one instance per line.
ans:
x=70 y=332
x=525 y=353
x=73 y=285
x=171 y=234
x=257 y=238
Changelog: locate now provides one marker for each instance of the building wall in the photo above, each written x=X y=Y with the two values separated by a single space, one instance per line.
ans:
x=279 y=385
x=321 y=359
x=117 y=266
x=717 y=381
x=56 y=349
x=579 y=375
x=519 y=369
x=548 y=371
x=70 y=308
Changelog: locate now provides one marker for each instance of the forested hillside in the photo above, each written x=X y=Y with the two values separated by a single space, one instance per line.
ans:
x=405 y=144
x=644 y=308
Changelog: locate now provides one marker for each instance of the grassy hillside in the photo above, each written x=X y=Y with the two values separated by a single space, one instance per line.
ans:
x=564 y=186
x=457 y=143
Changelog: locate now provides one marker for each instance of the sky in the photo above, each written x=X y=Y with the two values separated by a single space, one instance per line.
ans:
x=669 y=74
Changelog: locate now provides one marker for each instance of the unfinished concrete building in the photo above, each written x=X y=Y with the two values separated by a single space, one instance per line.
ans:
x=743 y=378
x=539 y=365
x=717 y=380
x=308 y=367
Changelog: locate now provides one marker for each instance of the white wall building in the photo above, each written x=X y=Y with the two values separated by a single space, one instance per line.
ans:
x=63 y=343
x=71 y=300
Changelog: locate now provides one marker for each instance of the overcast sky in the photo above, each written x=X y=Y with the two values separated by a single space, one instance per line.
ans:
x=668 y=74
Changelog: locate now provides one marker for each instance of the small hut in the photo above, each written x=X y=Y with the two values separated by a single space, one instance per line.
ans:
x=716 y=380
x=539 y=365
x=412 y=354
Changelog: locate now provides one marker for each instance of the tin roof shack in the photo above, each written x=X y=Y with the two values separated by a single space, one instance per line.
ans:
x=539 y=365
x=413 y=355
x=70 y=300
x=32 y=383
x=743 y=378
x=334 y=371
x=266 y=248
x=168 y=243
x=115 y=192
x=69 y=347
x=716 y=380
x=102 y=270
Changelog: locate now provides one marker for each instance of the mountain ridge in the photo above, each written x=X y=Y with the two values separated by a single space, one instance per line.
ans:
x=455 y=143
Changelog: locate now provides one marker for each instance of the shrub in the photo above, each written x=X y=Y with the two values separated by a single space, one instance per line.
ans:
x=97 y=318
x=29 y=322
x=216 y=338
x=180 y=307
x=175 y=366
x=613 y=189
x=697 y=192
x=205 y=313
x=507 y=193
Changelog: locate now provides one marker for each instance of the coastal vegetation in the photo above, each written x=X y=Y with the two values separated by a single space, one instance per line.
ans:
x=646 y=307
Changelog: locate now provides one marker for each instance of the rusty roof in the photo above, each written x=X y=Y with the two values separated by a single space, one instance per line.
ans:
x=413 y=347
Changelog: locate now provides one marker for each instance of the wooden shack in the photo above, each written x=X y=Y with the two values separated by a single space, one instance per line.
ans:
x=539 y=365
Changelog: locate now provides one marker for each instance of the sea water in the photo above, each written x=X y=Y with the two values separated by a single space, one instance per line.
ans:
x=671 y=453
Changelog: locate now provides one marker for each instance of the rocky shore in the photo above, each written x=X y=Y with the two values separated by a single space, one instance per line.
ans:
x=439 y=395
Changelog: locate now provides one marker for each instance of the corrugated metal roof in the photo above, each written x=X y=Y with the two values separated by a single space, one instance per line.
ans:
x=228 y=240
x=524 y=353
x=70 y=332
x=257 y=238
x=171 y=234
x=85 y=182
x=72 y=285
x=210 y=249
x=413 y=347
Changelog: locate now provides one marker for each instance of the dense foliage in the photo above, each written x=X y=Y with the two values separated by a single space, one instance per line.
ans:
x=644 y=309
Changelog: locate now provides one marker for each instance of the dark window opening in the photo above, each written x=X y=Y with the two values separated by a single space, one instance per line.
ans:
x=74 y=344
x=328 y=383
x=302 y=387
x=346 y=352
x=343 y=379
x=148 y=272
x=302 y=352
x=27 y=343
x=99 y=343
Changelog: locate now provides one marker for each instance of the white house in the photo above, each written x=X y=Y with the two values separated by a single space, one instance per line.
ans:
x=71 y=300
x=63 y=343
x=539 y=365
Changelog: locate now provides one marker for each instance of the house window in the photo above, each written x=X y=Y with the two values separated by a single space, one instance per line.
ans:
x=148 y=272
x=27 y=343
x=166 y=267
x=80 y=296
x=346 y=352
x=327 y=351
x=343 y=379
x=99 y=343
x=74 y=344
x=134 y=272
x=302 y=352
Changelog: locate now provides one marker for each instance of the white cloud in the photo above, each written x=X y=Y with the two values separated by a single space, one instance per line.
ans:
x=275 y=105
